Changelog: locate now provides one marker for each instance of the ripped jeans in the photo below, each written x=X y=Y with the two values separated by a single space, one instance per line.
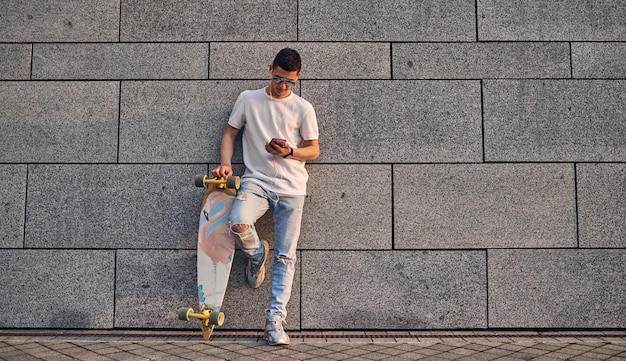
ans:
x=251 y=203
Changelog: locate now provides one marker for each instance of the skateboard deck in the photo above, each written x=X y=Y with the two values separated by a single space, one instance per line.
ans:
x=216 y=249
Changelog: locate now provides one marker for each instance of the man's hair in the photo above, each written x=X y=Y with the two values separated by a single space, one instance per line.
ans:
x=288 y=59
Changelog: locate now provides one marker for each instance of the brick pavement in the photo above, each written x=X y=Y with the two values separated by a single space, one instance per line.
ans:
x=397 y=345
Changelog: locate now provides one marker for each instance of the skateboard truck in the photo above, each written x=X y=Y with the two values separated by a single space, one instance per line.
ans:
x=208 y=316
x=202 y=180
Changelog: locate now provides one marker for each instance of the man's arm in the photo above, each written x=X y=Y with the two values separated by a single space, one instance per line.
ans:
x=227 y=147
x=309 y=151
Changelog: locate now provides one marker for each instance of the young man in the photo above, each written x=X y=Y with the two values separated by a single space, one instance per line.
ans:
x=280 y=133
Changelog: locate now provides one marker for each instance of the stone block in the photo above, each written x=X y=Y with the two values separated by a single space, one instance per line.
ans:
x=547 y=20
x=380 y=121
x=559 y=288
x=120 y=61
x=347 y=207
x=12 y=205
x=153 y=284
x=393 y=290
x=15 y=61
x=57 y=288
x=58 y=122
x=177 y=121
x=60 y=21
x=599 y=60
x=201 y=20
x=602 y=205
x=407 y=20
x=554 y=120
x=480 y=60
x=113 y=206
x=319 y=60
x=484 y=206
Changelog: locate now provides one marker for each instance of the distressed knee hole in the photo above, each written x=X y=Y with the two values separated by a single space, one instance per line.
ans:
x=284 y=259
x=239 y=228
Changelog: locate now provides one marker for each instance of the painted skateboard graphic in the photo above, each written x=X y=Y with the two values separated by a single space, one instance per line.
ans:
x=216 y=249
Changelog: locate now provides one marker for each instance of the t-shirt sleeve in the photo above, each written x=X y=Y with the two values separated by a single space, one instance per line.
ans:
x=237 y=117
x=309 y=129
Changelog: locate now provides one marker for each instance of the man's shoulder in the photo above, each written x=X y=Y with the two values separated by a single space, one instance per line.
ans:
x=250 y=97
x=303 y=103
x=252 y=93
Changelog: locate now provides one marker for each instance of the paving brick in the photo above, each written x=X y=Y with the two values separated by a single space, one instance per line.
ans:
x=201 y=20
x=49 y=288
x=347 y=207
x=557 y=288
x=319 y=60
x=602 y=205
x=397 y=121
x=484 y=206
x=15 y=61
x=480 y=60
x=58 y=122
x=407 y=20
x=120 y=61
x=555 y=120
x=112 y=206
x=547 y=20
x=177 y=121
x=12 y=204
x=393 y=289
x=599 y=60
x=59 y=20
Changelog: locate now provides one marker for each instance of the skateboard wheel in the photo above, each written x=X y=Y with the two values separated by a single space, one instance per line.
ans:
x=233 y=182
x=217 y=318
x=183 y=313
x=199 y=180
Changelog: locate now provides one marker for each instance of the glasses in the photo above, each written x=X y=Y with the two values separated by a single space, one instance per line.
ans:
x=279 y=80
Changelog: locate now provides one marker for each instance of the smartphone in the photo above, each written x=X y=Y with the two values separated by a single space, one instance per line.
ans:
x=280 y=142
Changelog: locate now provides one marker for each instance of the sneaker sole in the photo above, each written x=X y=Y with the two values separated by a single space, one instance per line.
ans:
x=279 y=343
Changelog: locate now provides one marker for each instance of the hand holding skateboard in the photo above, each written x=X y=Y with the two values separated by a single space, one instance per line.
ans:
x=222 y=171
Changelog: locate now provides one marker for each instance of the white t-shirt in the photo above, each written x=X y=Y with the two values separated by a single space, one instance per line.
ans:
x=262 y=118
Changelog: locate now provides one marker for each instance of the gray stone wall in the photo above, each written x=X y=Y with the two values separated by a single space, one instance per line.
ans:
x=473 y=167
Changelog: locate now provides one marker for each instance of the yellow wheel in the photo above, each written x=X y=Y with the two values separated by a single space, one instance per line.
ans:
x=199 y=180
x=233 y=182
x=217 y=318
x=183 y=313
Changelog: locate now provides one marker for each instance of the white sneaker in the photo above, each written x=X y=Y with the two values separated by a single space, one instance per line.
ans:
x=274 y=332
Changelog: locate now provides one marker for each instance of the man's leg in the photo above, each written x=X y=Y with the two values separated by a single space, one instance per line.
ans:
x=287 y=221
x=249 y=205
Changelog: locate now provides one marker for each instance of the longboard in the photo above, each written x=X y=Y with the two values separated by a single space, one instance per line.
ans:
x=216 y=249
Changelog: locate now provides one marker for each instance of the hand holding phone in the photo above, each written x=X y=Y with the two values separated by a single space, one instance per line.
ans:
x=278 y=147
x=279 y=142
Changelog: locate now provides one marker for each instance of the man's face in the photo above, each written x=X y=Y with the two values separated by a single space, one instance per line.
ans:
x=282 y=89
